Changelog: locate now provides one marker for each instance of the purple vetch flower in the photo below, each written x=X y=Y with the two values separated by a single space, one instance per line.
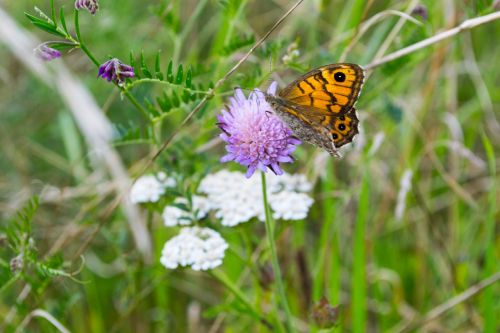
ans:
x=116 y=71
x=46 y=53
x=255 y=137
x=91 y=5
x=420 y=10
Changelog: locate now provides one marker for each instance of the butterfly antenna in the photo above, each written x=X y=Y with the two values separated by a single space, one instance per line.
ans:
x=244 y=89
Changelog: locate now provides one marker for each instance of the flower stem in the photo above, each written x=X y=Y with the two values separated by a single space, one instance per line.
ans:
x=274 y=258
x=138 y=106
x=224 y=279
x=81 y=44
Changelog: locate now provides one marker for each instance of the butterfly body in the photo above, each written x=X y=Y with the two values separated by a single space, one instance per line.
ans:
x=319 y=106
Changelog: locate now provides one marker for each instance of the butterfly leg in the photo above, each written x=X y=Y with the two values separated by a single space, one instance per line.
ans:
x=333 y=150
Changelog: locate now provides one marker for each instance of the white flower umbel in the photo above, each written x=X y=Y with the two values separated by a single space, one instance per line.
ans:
x=173 y=215
x=150 y=188
x=237 y=199
x=234 y=197
x=200 y=248
x=290 y=205
x=288 y=183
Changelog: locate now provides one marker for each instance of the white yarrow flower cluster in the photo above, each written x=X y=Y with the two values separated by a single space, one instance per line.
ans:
x=237 y=199
x=150 y=188
x=200 y=248
x=290 y=205
x=233 y=198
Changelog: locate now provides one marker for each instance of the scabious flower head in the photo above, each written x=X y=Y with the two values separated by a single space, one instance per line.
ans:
x=150 y=188
x=91 y=5
x=200 y=248
x=255 y=137
x=46 y=53
x=116 y=71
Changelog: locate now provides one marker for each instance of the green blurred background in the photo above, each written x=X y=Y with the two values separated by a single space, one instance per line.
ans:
x=432 y=114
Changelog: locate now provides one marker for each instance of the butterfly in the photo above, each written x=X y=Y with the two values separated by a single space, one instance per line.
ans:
x=319 y=106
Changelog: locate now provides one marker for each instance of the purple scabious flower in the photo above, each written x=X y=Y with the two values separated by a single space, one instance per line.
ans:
x=116 y=71
x=46 y=53
x=255 y=136
x=91 y=5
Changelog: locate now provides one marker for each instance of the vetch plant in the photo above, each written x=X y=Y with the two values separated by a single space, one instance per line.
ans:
x=47 y=53
x=91 y=5
x=116 y=71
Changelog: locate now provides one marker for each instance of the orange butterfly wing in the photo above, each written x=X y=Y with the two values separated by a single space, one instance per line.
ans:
x=344 y=128
x=331 y=89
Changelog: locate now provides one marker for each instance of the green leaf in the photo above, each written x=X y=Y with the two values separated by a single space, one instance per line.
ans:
x=180 y=75
x=158 y=73
x=144 y=68
x=43 y=25
x=202 y=111
x=189 y=77
x=76 y=19
x=62 y=46
x=236 y=44
x=170 y=72
x=63 y=20
x=132 y=63
x=25 y=216
x=157 y=62
x=53 y=12
x=164 y=102
x=151 y=108
x=130 y=133
x=185 y=96
x=48 y=28
x=181 y=206
x=175 y=99
x=18 y=230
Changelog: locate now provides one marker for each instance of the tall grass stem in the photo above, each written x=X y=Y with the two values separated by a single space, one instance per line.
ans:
x=280 y=289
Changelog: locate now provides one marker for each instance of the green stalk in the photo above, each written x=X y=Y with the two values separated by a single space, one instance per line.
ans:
x=224 y=279
x=274 y=258
x=80 y=41
x=329 y=248
x=358 y=287
x=490 y=303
